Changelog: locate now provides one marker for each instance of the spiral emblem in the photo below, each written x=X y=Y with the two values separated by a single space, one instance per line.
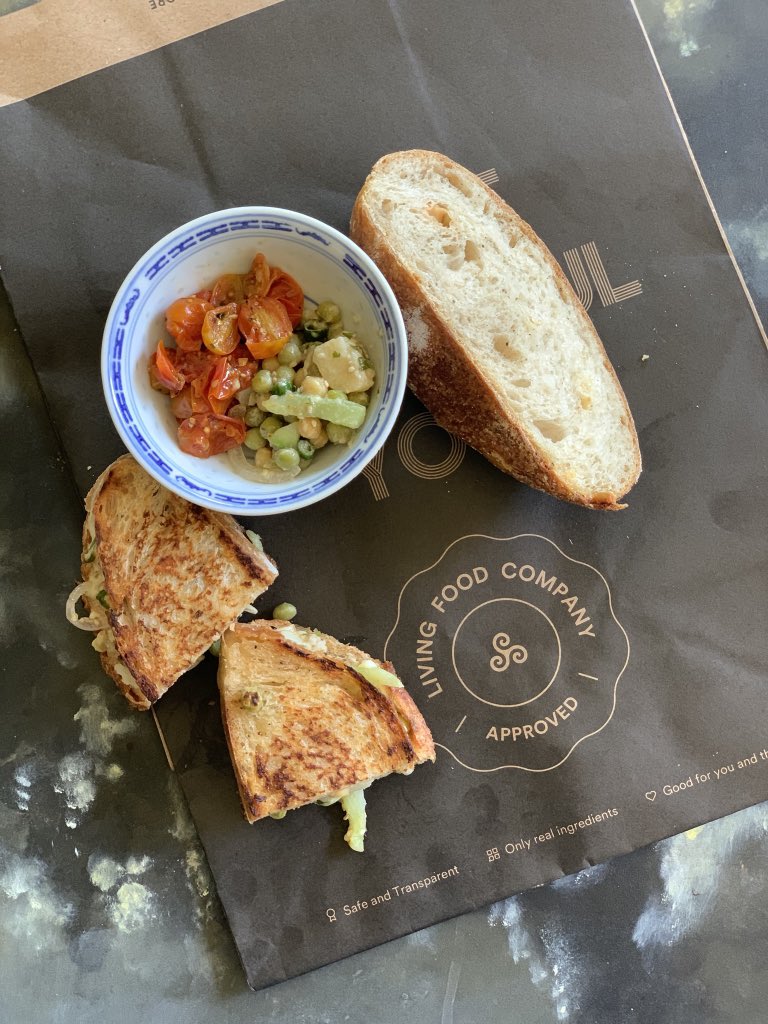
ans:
x=514 y=650
x=506 y=651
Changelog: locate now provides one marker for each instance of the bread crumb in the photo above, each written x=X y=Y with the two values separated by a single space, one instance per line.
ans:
x=644 y=357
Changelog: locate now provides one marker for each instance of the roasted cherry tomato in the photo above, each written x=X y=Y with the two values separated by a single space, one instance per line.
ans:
x=220 y=330
x=205 y=295
x=241 y=352
x=199 y=388
x=223 y=385
x=187 y=403
x=187 y=342
x=197 y=368
x=245 y=365
x=228 y=288
x=192 y=365
x=163 y=375
x=184 y=321
x=265 y=326
x=256 y=281
x=288 y=291
x=206 y=434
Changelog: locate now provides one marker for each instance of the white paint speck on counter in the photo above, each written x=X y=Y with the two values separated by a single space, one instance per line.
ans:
x=691 y=873
x=98 y=730
x=132 y=907
x=31 y=911
x=104 y=872
x=681 y=23
x=76 y=782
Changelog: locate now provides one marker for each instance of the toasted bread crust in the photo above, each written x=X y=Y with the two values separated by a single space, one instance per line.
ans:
x=301 y=724
x=131 y=695
x=417 y=728
x=176 y=576
x=447 y=381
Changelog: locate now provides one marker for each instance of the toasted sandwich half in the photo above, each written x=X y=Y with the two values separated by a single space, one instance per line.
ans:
x=311 y=720
x=162 y=579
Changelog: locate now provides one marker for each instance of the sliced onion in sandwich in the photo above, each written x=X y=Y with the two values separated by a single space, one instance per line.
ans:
x=88 y=622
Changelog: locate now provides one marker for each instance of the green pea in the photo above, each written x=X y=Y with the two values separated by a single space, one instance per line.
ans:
x=262 y=382
x=270 y=364
x=284 y=373
x=270 y=425
x=305 y=449
x=285 y=611
x=286 y=458
x=338 y=434
x=254 y=439
x=328 y=311
x=215 y=648
x=254 y=417
x=290 y=354
x=285 y=437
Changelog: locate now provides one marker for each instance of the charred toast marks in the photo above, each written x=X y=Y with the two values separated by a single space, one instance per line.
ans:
x=302 y=724
x=174 y=576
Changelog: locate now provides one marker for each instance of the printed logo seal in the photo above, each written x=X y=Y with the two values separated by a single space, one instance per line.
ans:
x=512 y=649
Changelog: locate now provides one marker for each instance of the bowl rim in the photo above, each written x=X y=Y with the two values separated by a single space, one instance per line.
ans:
x=390 y=408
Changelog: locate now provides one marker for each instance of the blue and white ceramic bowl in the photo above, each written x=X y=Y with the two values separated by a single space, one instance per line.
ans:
x=328 y=266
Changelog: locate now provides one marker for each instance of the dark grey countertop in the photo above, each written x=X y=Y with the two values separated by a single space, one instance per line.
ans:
x=90 y=816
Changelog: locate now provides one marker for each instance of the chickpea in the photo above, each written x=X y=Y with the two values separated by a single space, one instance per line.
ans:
x=310 y=427
x=314 y=386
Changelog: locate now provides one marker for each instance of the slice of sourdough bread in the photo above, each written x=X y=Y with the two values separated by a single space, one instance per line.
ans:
x=303 y=724
x=501 y=351
x=164 y=577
